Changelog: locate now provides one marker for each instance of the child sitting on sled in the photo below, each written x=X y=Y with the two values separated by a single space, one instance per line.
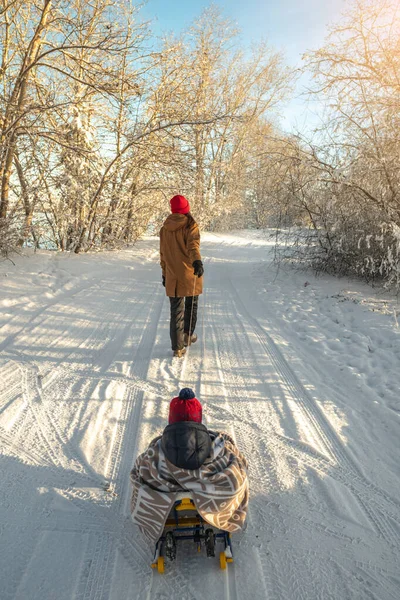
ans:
x=188 y=457
x=186 y=442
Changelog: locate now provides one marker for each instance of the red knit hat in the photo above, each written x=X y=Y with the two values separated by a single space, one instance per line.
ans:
x=180 y=205
x=185 y=408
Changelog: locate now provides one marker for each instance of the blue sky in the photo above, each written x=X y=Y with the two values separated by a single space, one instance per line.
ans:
x=292 y=26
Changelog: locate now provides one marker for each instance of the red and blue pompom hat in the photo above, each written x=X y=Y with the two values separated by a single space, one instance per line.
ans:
x=185 y=407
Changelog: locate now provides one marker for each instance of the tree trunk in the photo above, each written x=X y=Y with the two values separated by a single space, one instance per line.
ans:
x=28 y=206
x=19 y=96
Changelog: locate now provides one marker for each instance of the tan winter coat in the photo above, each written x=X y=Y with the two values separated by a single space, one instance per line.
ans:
x=179 y=248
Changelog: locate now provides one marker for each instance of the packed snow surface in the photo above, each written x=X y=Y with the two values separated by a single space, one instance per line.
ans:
x=304 y=373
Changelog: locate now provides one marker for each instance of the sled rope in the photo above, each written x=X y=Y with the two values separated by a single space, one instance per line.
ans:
x=191 y=316
x=202 y=333
x=204 y=344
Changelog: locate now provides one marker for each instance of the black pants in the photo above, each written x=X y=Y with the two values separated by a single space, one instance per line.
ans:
x=181 y=311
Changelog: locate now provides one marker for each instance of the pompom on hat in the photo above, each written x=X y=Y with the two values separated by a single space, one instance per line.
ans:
x=186 y=394
x=185 y=407
x=180 y=205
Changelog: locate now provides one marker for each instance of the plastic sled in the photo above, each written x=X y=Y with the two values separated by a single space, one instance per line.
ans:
x=185 y=523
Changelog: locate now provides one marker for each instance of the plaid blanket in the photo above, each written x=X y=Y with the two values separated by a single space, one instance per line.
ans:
x=219 y=489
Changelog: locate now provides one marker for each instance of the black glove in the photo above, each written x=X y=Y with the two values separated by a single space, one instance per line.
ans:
x=163 y=280
x=198 y=268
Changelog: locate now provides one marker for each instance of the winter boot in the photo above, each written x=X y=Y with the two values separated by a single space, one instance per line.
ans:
x=180 y=353
x=170 y=546
x=186 y=339
x=210 y=542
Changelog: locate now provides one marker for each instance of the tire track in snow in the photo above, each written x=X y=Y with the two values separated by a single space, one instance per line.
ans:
x=11 y=393
x=54 y=448
x=9 y=385
x=57 y=386
x=33 y=383
x=57 y=444
x=95 y=584
x=346 y=471
x=122 y=454
x=30 y=456
x=49 y=434
x=93 y=519
x=50 y=439
x=276 y=580
x=207 y=389
x=239 y=349
x=245 y=437
x=333 y=446
x=105 y=522
x=310 y=457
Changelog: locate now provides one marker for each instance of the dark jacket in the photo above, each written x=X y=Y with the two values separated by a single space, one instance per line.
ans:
x=186 y=444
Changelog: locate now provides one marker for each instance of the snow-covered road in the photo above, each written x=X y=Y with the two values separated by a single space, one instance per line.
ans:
x=303 y=372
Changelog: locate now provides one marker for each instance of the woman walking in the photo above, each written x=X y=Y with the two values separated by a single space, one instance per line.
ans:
x=182 y=272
